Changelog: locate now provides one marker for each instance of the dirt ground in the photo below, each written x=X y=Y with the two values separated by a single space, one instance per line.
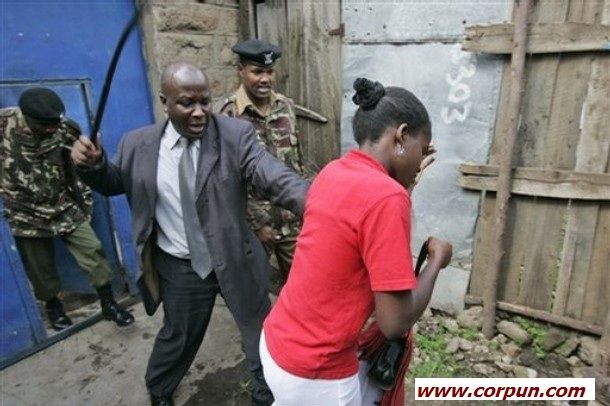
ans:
x=225 y=387
x=434 y=357
x=81 y=368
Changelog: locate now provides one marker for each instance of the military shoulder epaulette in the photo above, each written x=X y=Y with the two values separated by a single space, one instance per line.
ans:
x=8 y=111
x=285 y=99
x=221 y=105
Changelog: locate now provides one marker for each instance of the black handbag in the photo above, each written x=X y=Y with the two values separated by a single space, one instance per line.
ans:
x=386 y=364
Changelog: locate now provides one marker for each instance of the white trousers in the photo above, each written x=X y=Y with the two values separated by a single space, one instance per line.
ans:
x=292 y=390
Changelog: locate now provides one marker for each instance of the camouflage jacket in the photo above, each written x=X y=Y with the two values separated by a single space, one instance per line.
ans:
x=42 y=195
x=276 y=131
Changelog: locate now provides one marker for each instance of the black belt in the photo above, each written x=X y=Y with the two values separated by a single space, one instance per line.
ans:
x=186 y=261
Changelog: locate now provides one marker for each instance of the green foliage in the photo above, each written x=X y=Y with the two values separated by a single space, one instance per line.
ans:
x=494 y=345
x=436 y=362
x=538 y=332
x=469 y=334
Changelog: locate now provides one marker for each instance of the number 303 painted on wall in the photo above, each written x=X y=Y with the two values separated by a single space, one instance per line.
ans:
x=459 y=92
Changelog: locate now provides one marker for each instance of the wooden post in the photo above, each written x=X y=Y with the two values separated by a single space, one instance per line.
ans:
x=602 y=365
x=246 y=20
x=517 y=65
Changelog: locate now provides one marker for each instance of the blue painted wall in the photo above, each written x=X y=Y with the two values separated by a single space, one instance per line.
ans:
x=42 y=40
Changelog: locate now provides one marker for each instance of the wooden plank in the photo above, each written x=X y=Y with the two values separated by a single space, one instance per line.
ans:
x=594 y=143
x=541 y=182
x=541 y=76
x=539 y=92
x=517 y=244
x=602 y=360
x=592 y=155
x=542 y=258
x=542 y=315
x=501 y=123
x=537 y=109
x=548 y=175
x=578 y=246
x=542 y=236
x=271 y=26
x=517 y=85
x=481 y=246
x=310 y=69
x=597 y=298
x=548 y=128
x=561 y=140
x=315 y=74
x=571 y=190
x=530 y=151
x=584 y=11
x=246 y=23
x=543 y=38
x=485 y=222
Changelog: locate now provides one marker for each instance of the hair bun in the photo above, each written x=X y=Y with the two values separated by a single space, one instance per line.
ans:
x=368 y=93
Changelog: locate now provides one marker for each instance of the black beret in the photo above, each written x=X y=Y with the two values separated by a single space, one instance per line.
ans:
x=258 y=52
x=41 y=104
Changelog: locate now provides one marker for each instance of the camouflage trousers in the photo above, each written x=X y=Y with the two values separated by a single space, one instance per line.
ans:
x=283 y=250
x=38 y=257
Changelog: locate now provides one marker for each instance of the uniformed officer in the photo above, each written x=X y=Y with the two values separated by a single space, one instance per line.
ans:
x=273 y=117
x=43 y=198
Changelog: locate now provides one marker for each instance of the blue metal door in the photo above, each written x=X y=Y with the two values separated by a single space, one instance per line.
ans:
x=66 y=46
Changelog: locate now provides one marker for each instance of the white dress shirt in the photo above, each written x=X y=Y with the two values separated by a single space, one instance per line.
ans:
x=171 y=236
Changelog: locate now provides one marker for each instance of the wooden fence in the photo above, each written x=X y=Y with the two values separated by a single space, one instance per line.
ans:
x=556 y=265
x=309 y=70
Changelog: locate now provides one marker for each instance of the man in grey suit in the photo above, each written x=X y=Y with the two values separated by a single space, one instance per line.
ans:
x=185 y=180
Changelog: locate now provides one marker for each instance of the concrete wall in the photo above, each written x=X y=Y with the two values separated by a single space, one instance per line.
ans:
x=201 y=32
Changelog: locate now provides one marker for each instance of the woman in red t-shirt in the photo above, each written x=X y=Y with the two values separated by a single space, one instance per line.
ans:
x=353 y=256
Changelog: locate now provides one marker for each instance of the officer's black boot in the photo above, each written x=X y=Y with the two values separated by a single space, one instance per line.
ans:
x=111 y=310
x=57 y=317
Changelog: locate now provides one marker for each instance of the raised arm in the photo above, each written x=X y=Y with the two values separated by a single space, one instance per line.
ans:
x=93 y=167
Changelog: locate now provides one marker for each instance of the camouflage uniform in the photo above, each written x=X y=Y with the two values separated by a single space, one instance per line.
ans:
x=276 y=131
x=43 y=198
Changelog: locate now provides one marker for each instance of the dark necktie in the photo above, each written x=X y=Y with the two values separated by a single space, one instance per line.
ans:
x=198 y=247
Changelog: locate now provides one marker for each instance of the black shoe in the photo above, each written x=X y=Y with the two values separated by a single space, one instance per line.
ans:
x=161 y=400
x=112 y=311
x=261 y=394
x=57 y=317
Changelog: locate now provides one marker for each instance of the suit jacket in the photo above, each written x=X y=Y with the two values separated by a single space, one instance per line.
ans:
x=230 y=157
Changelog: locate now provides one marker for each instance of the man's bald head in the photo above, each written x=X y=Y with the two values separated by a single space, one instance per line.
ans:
x=186 y=98
x=181 y=73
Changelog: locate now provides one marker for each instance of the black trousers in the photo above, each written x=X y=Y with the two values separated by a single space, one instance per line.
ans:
x=188 y=302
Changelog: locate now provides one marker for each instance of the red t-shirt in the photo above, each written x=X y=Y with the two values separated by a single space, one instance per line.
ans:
x=355 y=241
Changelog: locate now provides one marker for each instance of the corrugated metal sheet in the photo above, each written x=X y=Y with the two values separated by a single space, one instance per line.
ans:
x=409 y=44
